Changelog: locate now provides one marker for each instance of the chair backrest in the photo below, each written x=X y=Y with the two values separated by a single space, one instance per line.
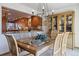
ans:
x=57 y=45
x=64 y=42
x=12 y=44
x=53 y=35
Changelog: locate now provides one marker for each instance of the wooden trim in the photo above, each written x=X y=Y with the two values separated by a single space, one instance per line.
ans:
x=52 y=24
x=65 y=23
x=73 y=33
x=58 y=23
x=62 y=13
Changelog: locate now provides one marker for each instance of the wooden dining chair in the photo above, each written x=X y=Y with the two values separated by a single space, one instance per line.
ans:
x=64 y=43
x=52 y=39
x=57 y=45
x=53 y=35
x=12 y=43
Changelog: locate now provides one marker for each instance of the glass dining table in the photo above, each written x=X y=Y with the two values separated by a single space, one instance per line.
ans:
x=32 y=48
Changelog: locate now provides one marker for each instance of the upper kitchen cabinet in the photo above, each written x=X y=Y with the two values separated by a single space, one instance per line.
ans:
x=36 y=23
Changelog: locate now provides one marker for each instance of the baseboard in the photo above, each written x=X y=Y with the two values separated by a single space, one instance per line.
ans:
x=76 y=47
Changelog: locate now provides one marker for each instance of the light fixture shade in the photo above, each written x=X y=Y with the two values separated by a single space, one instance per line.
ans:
x=43 y=7
x=53 y=10
x=33 y=12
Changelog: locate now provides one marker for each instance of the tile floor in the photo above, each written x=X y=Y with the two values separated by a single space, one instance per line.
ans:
x=69 y=52
x=74 y=52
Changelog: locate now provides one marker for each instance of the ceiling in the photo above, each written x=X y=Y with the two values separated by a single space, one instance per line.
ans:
x=51 y=6
x=16 y=14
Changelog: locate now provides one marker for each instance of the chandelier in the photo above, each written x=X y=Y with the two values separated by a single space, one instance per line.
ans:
x=43 y=10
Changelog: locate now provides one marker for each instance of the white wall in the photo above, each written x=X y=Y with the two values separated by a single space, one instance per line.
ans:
x=77 y=27
x=20 y=7
x=76 y=20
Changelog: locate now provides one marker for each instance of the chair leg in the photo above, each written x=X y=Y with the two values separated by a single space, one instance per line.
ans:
x=65 y=54
x=35 y=54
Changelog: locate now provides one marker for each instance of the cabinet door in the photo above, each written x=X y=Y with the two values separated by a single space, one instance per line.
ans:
x=4 y=24
x=55 y=24
x=36 y=22
x=61 y=23
x=69 y=23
